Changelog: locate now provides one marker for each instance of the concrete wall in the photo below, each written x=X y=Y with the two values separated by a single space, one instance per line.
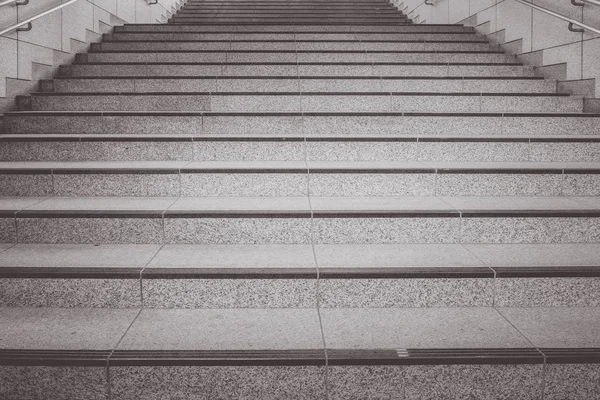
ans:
x=26 y=57
x=537 y=38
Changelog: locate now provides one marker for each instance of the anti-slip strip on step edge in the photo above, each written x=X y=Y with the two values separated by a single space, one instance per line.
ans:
x=385 y=139
x=344 y=63
x=300 y=273
x=300 y=357
x=288 y=93
x=295 y=78
x=371 y=52
x=287 y=41
x=451 y=213
x=286 y=114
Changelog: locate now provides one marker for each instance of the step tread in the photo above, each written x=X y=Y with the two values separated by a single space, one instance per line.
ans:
x=302 y=166
x=321 y=205
x=281 y=256
x=298 y=329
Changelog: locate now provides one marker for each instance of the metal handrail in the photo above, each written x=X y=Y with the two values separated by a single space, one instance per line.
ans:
x=19 y=3
x=30 y=20
x=557 y=15
x=575 y=3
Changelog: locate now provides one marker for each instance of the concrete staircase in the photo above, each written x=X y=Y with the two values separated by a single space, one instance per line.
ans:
x=299 y=200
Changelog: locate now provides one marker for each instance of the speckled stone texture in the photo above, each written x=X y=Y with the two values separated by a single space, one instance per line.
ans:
x=265 y=125
x=572 y=381
x=251 y=184
x=96 y=151
x=260 y=70
x=356 y=125
x=372 y=184
x=428 y=292
x=249 y=151
x=117 y=184
x=454 y=382
x=89 y=293
x=428 y=125
x=57 y=383
x=386 y=230
x=551 y=126
x=362 y=151
x=473 y=151
x=354 y=103
x=229 y=293
x=90 y=230
x=8 y=230
x=435 y=382
x=581 y=185
x=237 y=230
x=350 y=382
x=257 y=85
x=547 y=292
x=255 y=103
x=218 y=382
x=25 y=184
x=515 y=230
x=561 y=151
x=499 y=184
x=436 y=103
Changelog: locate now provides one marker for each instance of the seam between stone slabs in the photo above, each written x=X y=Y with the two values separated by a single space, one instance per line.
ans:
x=113 y=350
x=312 y=244
x=543 y=382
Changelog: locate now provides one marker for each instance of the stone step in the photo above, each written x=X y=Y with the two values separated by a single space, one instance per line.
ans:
x=296 y=178
x=300 y=353
x=225 y=58
x=300 y=220
x=146 y=64
x=292 y=20
x=302 y=84
x=285 y=276
x=356 y=28
x=310 y=124
x=298 y=102
x=298 y=148
x=291 y=45
x=291 y=35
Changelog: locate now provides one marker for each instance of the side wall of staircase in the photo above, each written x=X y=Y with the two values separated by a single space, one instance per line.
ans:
x=27 y=57
x=538 y=39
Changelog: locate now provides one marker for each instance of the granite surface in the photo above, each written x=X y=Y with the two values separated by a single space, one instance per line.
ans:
x=218 y=382
x=84 y=293
x=57 y=383
x=229 y=293
x=237 y=230
x=427 y=292
x=547 y=292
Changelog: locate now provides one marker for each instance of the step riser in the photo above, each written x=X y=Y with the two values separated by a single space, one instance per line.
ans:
x=297 y=151
x=274 y=230
x=310 y=103
x=294 y=28
x=125 y=37
x=310 y=125
x=299 y=293
x=299 y=184
x=283 y=20
x=304 y=85
x=291 y=46
x=281 y=70
x=308 y=57
x=300 y=382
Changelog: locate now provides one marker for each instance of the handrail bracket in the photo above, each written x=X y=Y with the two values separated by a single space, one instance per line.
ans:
x=26 y=28
x=577 y=30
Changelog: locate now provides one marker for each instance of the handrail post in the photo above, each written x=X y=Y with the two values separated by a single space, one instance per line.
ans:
x=429 y=2
x=578 y=4
x=577 y=30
